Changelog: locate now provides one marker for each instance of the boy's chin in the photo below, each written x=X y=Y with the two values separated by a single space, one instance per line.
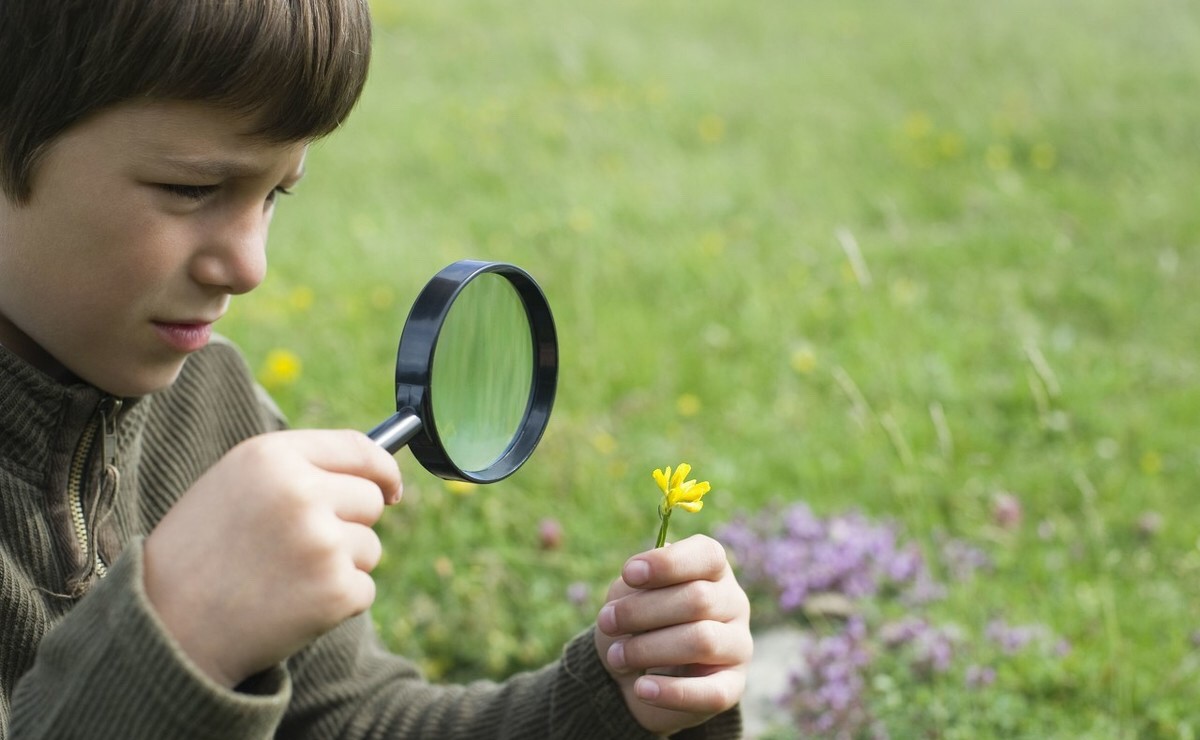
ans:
x=137 y=382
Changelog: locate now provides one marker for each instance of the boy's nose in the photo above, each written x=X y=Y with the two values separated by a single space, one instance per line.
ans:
x=234 y=258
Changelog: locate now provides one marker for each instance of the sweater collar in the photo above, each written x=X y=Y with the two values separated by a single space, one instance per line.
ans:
x=39 y=414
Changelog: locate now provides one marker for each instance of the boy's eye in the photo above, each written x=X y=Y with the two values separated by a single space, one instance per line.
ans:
x=191 y=192
x=278 y=191
x=200 y=192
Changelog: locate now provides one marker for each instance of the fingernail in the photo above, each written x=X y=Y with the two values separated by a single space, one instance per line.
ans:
x=647 y=689
x=616 y=656
x=606 y=620
x=637 y=572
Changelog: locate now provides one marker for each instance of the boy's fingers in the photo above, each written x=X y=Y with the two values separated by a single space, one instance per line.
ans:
x=704 y=695
x=366 y=550
x=694 y=601
x=355 y=500
x=705 y=643
x=696 y=558
x=345 y=451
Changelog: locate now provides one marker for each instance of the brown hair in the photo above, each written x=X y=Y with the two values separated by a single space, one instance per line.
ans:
x=296 y=66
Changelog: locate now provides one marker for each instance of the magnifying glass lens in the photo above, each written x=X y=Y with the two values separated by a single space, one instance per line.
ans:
x=482 y=372
x=476 y=372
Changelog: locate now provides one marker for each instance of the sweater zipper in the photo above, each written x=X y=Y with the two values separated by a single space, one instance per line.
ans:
x=105 y=424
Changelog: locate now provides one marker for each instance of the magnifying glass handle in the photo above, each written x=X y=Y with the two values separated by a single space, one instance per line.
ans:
x=396 y=431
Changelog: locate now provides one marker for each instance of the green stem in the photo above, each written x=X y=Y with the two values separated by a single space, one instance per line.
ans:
x=662 y=529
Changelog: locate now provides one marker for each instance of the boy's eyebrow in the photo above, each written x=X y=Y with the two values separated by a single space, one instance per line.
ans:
x=217 y=168
x=220 y=169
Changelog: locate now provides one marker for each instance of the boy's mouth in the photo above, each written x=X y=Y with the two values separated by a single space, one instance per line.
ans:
x=184 y=336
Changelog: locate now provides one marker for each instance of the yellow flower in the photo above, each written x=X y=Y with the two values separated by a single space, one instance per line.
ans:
x=676 y=491
x=605 y=443
x=301 y=298
x=581 y=220
x=711 y=129
x=917 y=125
x=950 y=145
x=459 y=487
x=281 y=368
x=688 y=404
x=1043 y=156
x=998 y=157
x=804 y=360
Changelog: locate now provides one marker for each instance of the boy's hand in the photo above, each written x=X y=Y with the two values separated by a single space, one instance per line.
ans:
x=270 y=548
x=678 y=613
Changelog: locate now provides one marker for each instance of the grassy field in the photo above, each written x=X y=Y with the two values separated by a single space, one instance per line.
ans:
x=909 y=260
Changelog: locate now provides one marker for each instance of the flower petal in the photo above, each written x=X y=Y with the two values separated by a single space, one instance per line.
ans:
x=681 y=474
x=691 y=506
x=693 y=491
x=661 y=479
x=682 y=493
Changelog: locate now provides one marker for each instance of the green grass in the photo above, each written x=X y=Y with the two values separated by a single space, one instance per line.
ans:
x=688 y=182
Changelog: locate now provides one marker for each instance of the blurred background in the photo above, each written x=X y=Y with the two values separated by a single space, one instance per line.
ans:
x=913 y=285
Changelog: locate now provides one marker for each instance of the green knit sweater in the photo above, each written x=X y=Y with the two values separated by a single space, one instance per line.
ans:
x=82 y=654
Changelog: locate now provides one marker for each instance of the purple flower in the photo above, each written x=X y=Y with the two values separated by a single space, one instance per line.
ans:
x=932 y=651
x=578 y=593
x=550 y=534
x=1062 y=648
x=835 y=570
x=1149 y=524
x=1012 y=639
x=1046 y=529
x=794 y=555
x=1006 y=510
x=962 y=559
x=901 y=632
x=828 y=696
x=979 y=676
x=930 y=648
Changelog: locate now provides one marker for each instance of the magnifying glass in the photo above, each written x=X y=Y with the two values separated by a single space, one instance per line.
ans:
x=476 y=373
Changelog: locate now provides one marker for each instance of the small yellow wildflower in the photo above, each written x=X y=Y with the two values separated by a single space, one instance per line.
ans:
x=581 y=220
x=688 y=404
x=918 y=125
x=998 y=157
x=712 y=243
x=382 y=297
x=711 y=129
x=950 y=145
x=604 y=443
x=301 y=298
x=390 y=13
x=804 y=360
x=904 y=292
x=459 y=487
x=1043 y=156
x=281 y=368
x=677 y=492
x=655 y=93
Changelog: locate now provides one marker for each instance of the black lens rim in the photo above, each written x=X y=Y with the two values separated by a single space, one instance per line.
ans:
x=414 y=368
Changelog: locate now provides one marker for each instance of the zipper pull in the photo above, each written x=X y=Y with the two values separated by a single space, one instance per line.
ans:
x=109 y=408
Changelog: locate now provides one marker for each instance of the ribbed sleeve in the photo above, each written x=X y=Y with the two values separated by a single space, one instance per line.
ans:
x=109 y=670
x=347 y=687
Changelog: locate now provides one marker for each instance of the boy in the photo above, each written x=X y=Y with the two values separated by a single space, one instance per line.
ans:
x=173 y=564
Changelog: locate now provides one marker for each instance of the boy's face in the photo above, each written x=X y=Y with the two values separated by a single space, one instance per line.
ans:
x=144 y=220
